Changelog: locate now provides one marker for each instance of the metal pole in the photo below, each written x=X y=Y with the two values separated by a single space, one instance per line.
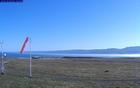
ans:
x=30 y=58
x=2 y=61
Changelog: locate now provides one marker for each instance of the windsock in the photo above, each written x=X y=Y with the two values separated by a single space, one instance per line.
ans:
x=24 y=45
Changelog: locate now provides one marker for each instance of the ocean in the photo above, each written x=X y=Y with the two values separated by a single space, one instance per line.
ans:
x=26 y=55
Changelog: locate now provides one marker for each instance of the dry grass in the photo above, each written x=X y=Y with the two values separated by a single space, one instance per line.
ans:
x=71 y=73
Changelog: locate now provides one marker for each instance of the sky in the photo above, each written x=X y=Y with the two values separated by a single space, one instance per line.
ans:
x=70 y=24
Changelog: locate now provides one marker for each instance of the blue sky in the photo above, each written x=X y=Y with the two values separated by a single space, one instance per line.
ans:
x=70 y=24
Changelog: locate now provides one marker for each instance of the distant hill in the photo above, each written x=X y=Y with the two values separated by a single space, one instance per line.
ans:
x=127 y=50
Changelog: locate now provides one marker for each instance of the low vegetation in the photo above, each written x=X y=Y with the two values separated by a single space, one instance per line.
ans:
x=71 y=73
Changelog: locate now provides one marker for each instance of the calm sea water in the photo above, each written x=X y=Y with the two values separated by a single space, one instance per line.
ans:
x=26 y=55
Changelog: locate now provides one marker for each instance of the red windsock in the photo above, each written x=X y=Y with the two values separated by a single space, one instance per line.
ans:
x=24 y=45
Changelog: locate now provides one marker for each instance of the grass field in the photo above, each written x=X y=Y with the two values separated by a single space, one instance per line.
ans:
x=71 y=73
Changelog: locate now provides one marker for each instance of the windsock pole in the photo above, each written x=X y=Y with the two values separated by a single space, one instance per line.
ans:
x=30 y=75
x=30 y=54
x=2 y=61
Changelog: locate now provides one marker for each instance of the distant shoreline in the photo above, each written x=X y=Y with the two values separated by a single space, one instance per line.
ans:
x=124 y=59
